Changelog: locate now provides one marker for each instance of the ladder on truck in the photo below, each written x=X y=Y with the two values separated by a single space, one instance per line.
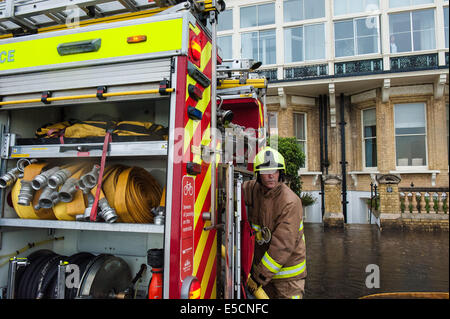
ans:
x=27 y=16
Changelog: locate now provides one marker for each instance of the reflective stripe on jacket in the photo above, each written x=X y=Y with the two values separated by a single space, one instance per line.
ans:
x=283 y=257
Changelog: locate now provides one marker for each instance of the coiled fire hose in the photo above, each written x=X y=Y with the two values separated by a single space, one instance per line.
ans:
x=133 y=192
x=128 y=194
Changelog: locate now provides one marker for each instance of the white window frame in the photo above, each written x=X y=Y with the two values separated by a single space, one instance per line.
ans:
x=305 y=123
x=257 y=29
x=256 y=5
x=355 y=42
x=357 y=12
x=230 y=10
x=305 y=60
x=412 y=168
x=232 y=44
x=363 y=142
x=411 y=4
x=306 y=19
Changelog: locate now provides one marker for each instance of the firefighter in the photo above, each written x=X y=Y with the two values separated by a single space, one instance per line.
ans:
x=276 y=216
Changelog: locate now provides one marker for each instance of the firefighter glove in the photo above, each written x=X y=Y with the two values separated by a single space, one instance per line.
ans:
x=256 y=289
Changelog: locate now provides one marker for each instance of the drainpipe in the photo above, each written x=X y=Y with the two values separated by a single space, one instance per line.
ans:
x=322 y=195
x=343 y=161
x=325 y=120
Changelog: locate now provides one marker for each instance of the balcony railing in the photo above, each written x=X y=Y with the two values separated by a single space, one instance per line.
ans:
x=414 y=62
x=423 y=200
x=359 y=67
x=270 y=74
x=306 y=72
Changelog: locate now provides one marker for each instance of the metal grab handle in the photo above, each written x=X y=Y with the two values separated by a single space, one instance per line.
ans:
x=80 y=148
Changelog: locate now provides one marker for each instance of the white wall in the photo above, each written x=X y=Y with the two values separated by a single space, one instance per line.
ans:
x=357 y=210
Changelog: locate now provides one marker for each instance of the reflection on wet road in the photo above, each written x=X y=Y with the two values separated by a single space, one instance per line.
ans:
x=408 y=261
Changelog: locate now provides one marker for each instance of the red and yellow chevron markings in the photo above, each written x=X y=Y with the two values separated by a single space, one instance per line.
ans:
x=197 y=133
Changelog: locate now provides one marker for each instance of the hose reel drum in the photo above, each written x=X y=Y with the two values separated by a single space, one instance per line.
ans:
x=103 y=276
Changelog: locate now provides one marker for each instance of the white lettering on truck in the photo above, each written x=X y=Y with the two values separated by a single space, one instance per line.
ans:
x=7 y=56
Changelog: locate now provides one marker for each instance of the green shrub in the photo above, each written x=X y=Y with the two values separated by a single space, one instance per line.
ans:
x=294 y=159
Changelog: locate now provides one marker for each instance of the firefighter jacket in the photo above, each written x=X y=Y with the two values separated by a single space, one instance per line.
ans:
x=281 y=257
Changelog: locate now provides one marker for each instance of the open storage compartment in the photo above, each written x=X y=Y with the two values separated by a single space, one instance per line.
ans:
x=126 y=243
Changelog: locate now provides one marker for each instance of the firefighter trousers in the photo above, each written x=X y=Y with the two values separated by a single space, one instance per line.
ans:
x=293 y=289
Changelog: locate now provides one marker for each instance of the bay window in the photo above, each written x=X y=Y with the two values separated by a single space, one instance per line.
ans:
x=296 y=10
x=304 y=43
x=357 y=36
x=259 y=45
x=412 y=31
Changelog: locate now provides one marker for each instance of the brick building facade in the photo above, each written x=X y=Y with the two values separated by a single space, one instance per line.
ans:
x=382 y=63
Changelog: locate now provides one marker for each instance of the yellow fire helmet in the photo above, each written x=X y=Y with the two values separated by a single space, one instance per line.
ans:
x=268 y=159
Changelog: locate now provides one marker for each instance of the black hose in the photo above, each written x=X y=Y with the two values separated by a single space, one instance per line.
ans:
x=48 y=277
x=25 y=277
x=31 y=289
x=38 y=280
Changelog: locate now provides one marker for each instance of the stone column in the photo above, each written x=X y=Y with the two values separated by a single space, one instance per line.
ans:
x=389 y=209
x=333 y=216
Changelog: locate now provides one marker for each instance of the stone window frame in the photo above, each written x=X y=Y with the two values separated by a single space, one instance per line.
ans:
x=425 y=103
x=305 y=140
x=363 y=145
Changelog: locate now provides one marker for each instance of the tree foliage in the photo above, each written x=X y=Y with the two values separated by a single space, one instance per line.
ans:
x=294 y=159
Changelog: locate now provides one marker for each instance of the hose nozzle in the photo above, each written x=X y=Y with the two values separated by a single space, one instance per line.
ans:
x=10 y=177
x=89 y=180
x=58 y=178
x=87 y=212
x=26 y=193
x=67 y=191
x=106 y=211
x=48 y=198
x=41 y=180
x=24 y=162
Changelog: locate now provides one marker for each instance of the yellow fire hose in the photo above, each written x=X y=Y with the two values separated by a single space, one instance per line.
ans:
x=69 y=211
x=29 y=212
x=131 y=191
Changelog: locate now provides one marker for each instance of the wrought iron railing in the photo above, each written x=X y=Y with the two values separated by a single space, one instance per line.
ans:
x=270 y=74
x=423 y=200
x=306 y=72
x=374 y=202
x=414 y=62
x=359 y=67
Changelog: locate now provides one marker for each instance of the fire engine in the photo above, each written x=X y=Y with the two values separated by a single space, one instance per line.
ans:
x=125 y=139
